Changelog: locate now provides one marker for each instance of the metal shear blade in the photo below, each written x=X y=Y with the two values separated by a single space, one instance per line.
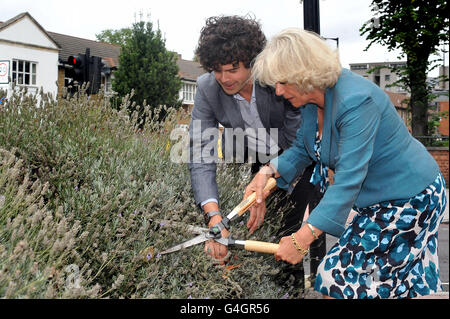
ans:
x=194 y=241
x=215 y=231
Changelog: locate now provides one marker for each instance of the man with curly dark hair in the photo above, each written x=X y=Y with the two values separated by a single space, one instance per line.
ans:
x=229 y=39
x=227 y=95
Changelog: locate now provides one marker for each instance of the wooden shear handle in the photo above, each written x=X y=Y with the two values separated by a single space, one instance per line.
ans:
x=242 y=207
x=261 y=246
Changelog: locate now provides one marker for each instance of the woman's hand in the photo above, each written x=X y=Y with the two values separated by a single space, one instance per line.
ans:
x=258 y=210
x=304 y=237
x=287 y=251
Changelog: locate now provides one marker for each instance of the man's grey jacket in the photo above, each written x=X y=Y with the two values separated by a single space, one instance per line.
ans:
x=213 y=106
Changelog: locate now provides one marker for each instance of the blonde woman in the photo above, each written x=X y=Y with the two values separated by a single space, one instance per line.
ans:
x=389 y=250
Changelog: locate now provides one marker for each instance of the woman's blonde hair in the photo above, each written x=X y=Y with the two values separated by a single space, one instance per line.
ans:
x=298 y=57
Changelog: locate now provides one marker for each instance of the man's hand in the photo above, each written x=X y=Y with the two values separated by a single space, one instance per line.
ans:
x=214 y=249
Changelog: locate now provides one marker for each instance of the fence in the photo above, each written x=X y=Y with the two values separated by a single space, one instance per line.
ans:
x=433 y=141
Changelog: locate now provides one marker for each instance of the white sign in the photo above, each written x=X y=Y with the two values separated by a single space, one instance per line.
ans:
x=4 y=71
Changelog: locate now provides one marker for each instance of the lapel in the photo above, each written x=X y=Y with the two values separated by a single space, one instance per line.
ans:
x=231 y=109
x=326 y=130
x=262 y=104
x=329 y=146
x=309 y=121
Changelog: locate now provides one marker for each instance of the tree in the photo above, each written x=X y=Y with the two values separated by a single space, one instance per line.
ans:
x=119 y=37
x=417 y=27
x=147 y=68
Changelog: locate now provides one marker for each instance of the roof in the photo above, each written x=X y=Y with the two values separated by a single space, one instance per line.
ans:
x=71 y=45
x=189 y=70
x=398 y=99
x=380 y=63
x=4 y=25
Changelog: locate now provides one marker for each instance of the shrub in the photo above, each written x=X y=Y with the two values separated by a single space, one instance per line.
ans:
x=87 y=200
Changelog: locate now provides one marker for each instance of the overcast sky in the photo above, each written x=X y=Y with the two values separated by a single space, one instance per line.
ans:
x=181 y=21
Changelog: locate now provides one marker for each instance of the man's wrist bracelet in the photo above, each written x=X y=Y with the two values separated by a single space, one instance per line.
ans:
x=211 y=214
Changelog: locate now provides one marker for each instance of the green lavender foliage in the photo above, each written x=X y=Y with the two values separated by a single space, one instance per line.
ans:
x=85 y=199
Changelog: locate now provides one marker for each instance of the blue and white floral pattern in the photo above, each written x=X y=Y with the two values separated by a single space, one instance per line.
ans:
x=319 y=176
x=389 y=250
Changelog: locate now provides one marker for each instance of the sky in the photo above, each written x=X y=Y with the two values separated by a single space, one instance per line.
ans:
x=181 y=21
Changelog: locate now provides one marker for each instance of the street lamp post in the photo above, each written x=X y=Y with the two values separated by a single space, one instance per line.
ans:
x=311 y=22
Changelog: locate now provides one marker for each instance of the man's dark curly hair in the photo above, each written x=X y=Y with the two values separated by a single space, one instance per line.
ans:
x=229 y=39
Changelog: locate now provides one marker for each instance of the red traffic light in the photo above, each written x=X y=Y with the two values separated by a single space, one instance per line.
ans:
x=76 y=61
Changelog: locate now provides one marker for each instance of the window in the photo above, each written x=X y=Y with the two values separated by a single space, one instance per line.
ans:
x=387 y=77
x=189 y=90
x=24 y=72
x=107 y=83
x=359 y=67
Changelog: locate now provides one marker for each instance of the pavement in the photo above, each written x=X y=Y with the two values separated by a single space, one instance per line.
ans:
x=443 y=253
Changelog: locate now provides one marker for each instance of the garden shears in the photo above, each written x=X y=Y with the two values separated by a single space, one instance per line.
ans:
x=215 y=232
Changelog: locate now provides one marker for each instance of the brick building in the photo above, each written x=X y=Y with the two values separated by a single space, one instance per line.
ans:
x=400 y=101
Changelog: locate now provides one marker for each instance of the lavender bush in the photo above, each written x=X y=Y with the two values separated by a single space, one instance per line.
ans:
x=88 y=199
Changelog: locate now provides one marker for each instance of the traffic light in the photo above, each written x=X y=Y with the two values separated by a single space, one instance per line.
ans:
x=87 y=68
x=80 y=70
x=95 y=74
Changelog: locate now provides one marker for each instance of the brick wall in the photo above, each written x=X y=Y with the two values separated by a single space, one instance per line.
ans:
x=440 y=154
x=61 y=73
x=443 y=127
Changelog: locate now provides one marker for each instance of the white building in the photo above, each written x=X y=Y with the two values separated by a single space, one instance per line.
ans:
x=188 y=72
x=383 y=74
x=28 y=56
x=33 y=57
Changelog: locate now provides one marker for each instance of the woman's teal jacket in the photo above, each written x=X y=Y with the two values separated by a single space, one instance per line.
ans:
x=366 y=144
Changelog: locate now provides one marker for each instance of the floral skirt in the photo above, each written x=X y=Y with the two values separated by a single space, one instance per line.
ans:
x=389 y=250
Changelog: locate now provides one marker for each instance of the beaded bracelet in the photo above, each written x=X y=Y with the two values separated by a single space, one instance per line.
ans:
x=300 y=249
x=312 y=231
